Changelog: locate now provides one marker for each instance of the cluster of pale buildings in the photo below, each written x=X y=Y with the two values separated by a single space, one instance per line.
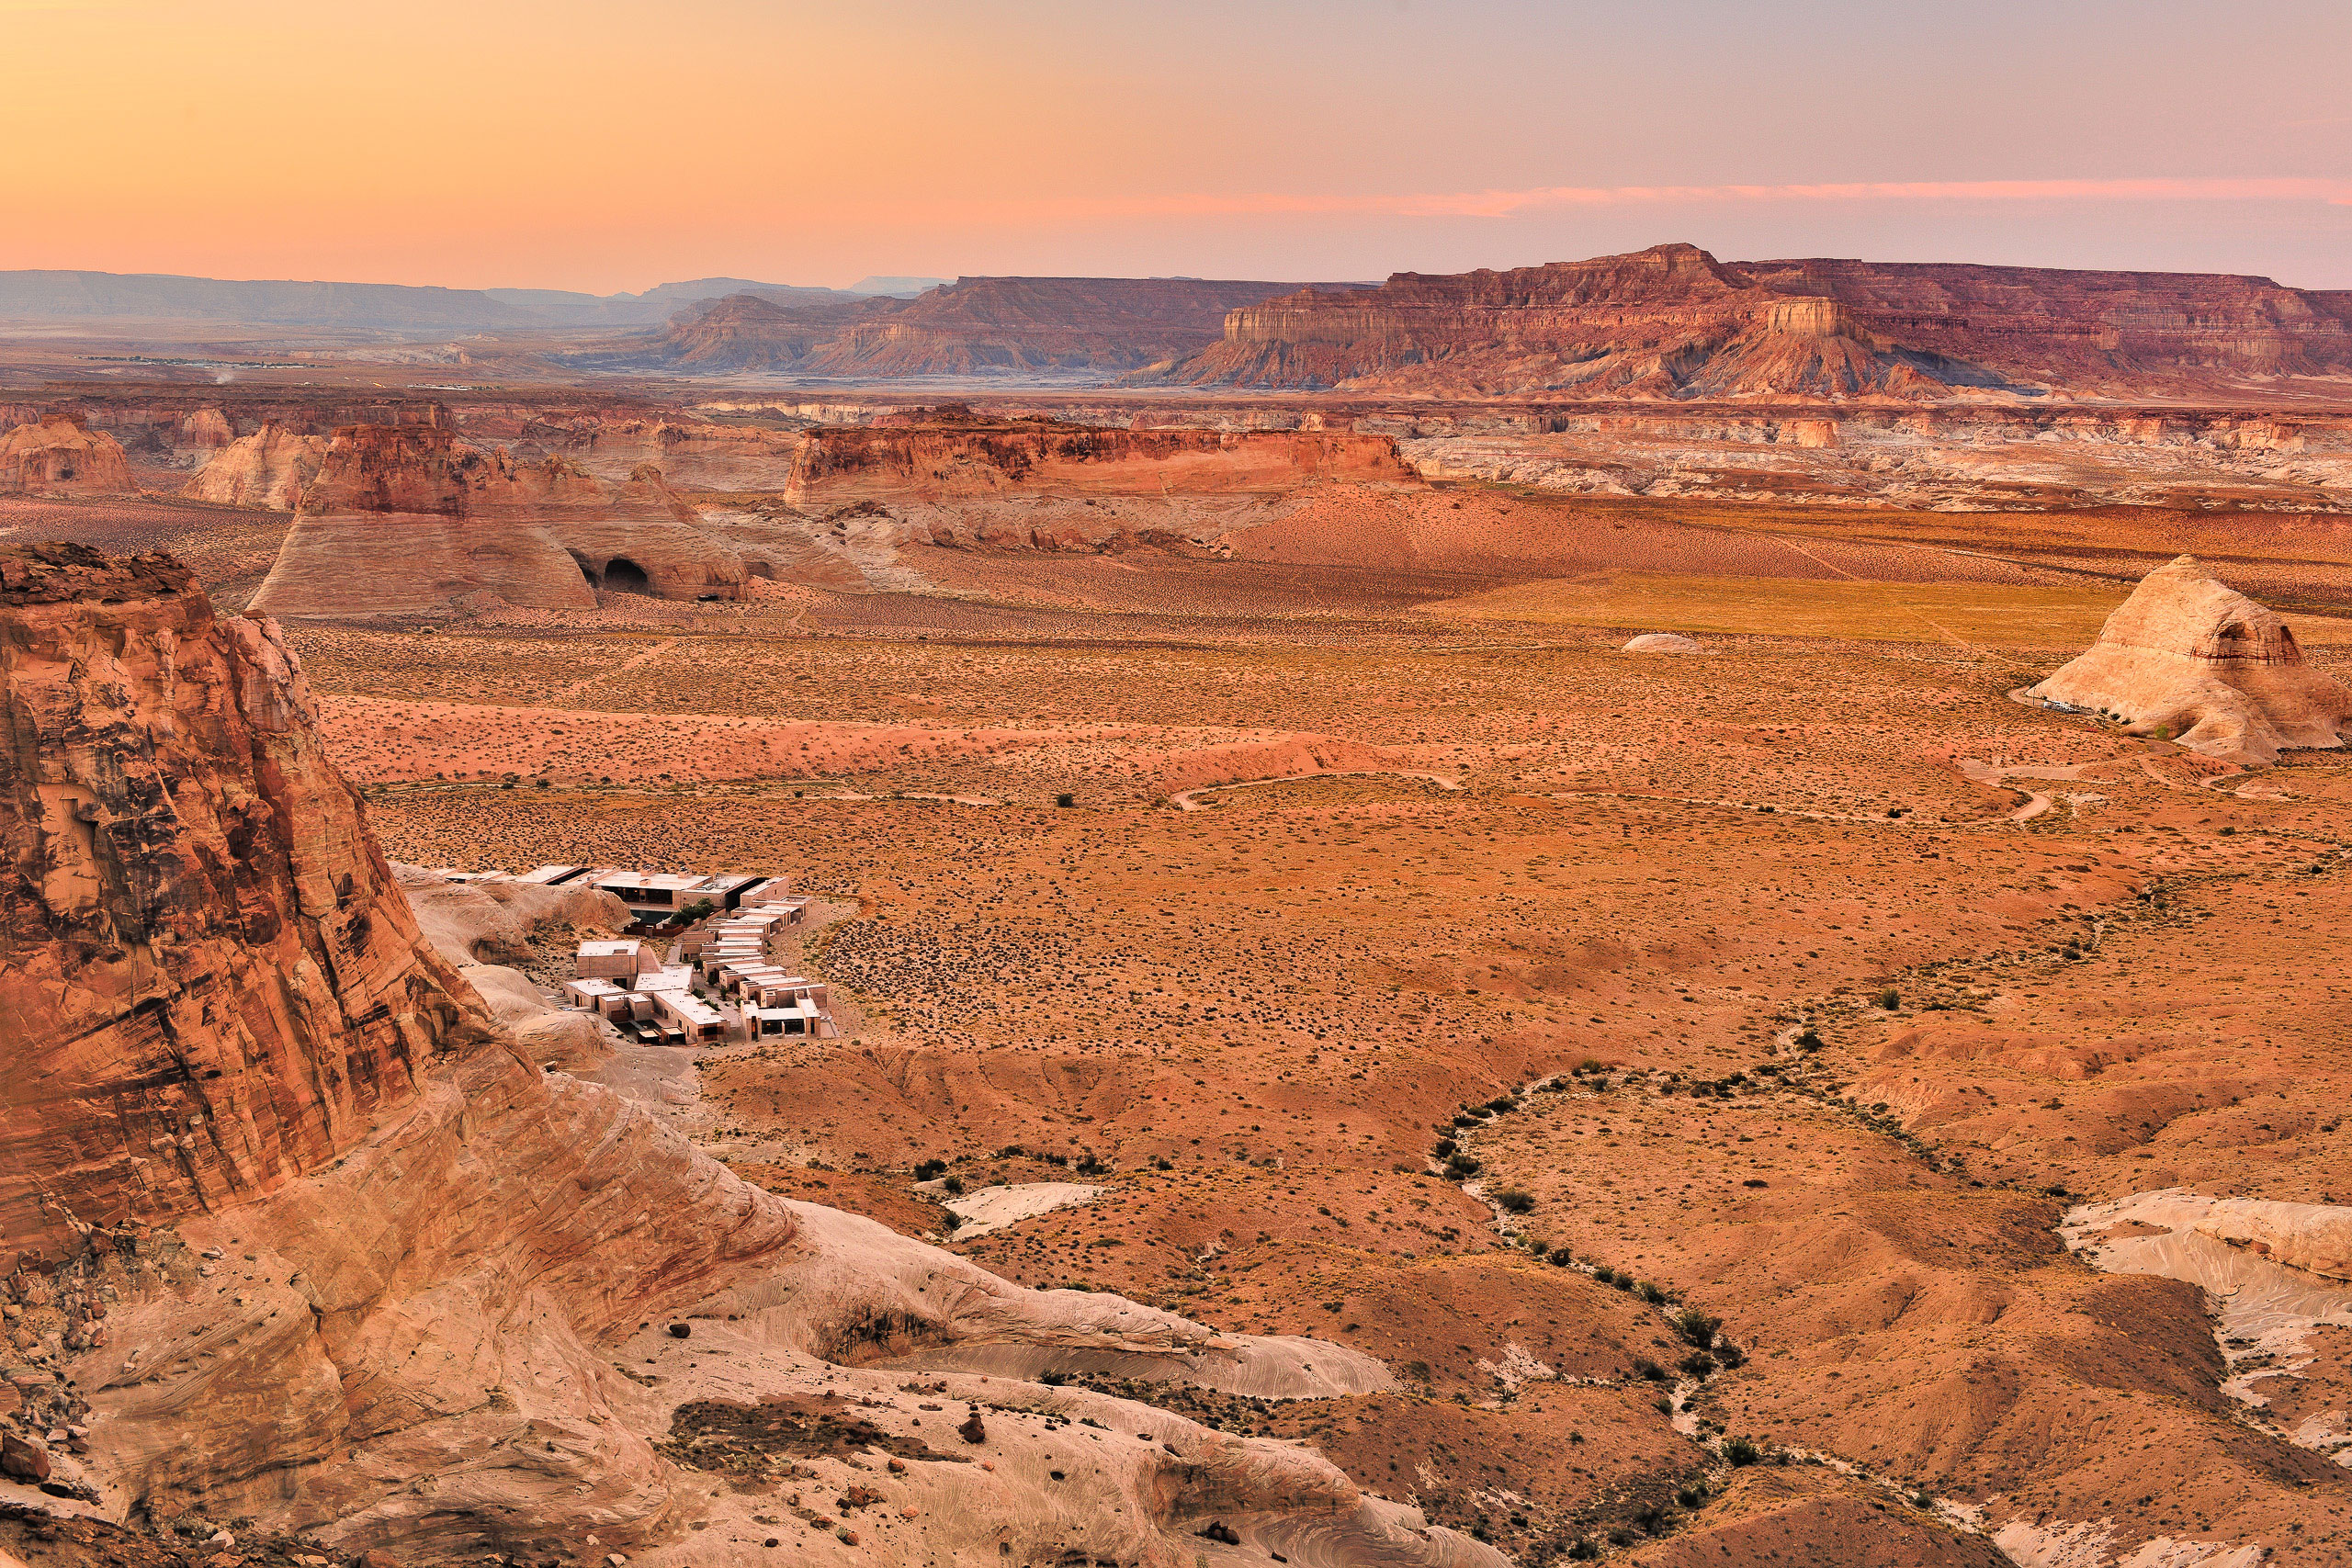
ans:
x=723 y=956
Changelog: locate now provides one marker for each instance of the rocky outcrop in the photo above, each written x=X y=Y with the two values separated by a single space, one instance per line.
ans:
x=335 y=1258
x=410 y=520
x=1672 y=321
x=269 y=469
x=57 y=454
x=948 y=455
x=2187 y=658
x=220 y=978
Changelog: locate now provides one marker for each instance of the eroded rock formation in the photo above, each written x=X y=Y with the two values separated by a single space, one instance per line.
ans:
x=2189 y=658
x=371 y=1274
x=61 y=454
x=409 y=520
x=270 y=468
x=220 y=977
x=948 y=455
x=1672 y=321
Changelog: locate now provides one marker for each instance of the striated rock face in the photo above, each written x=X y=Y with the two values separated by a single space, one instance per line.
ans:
x=948 y=455
x=270 y=469
x=219 y=977
x=1672 y=321
x=59 y=454
x=409 y=520
x=429 y=1309
x=975 y=326
x=2191 y=657
x=2118 y=332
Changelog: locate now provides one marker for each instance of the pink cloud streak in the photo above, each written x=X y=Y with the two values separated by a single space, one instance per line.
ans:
x=1503 y=203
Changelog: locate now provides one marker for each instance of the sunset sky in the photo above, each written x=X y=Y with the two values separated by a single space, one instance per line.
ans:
x=608 y=147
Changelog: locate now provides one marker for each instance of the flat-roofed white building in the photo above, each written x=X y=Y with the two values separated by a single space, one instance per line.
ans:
x=624 y=959
x=691 y=1017
x=800 y=1018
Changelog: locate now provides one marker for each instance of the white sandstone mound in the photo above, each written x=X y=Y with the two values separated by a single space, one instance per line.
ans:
x=2190 y=657
x=1662 y=642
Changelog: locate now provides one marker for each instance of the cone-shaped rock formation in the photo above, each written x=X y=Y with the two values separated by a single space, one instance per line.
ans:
x=2191 y=658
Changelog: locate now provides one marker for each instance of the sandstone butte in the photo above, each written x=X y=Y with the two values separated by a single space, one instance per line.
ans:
x=406 y=519
x=322 y=1252
x=1672 y=321
x=59 y=453
x=2191 y=658
x=976 y=325
x=948 y=455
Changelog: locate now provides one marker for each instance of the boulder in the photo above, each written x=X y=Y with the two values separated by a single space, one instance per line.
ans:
x=1662 y=642
x=2189 y=658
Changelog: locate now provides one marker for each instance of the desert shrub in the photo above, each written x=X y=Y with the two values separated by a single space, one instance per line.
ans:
x=1889 y=998
x=929 y=1169
x=1698 y=1364
x=1561 y=1256
x=1742 y=1452
x=1515 y=1201
x=953 y=1186
x=1649 y=1370
x=1697 y=1326
x=1461 y=1165
x=1651 y=1293
x=1444 y=1147
x=1066 y=800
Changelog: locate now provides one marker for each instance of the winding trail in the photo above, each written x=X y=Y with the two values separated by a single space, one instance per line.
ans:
x=636 y=661
x=1188 y=799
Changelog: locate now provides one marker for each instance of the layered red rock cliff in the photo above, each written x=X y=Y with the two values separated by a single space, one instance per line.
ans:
x=1672 y=321
x=219 y=980
x=410 y=520
x=949 y=457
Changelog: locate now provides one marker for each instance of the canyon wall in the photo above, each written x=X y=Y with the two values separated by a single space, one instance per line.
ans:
x=216 y=974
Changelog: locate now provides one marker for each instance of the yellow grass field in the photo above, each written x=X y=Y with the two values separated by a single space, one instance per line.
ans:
x=1972 y=614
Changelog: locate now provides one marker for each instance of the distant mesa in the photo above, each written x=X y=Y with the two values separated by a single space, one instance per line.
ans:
x=975 y=326
x=406 y=519
x=904 y=288
x=1673 y=322
x=2189 y=658
x=1662 y=642
x=61 y=455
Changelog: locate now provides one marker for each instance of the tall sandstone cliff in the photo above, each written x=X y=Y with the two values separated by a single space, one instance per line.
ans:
x=217 y=972
x=1672 y=321
x=307 y=1243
